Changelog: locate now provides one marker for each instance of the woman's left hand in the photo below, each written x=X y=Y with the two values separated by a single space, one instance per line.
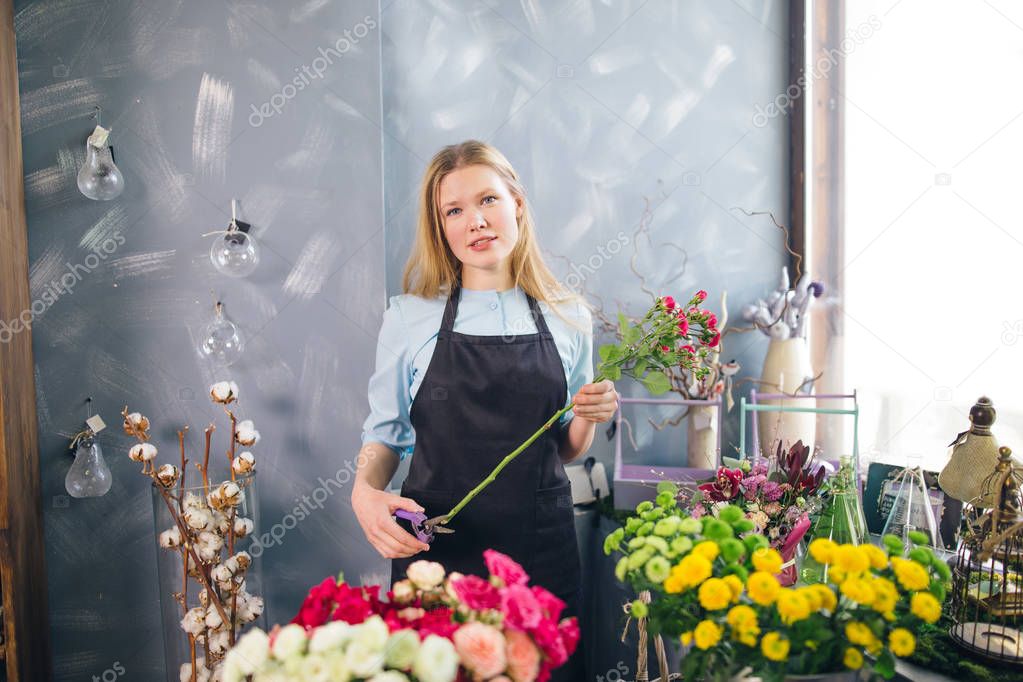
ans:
x=596 y=402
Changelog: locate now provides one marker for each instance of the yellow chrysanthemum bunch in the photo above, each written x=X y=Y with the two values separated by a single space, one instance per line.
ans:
x=714 y=587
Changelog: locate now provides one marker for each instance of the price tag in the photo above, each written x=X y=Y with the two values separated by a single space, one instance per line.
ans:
x=95 y=422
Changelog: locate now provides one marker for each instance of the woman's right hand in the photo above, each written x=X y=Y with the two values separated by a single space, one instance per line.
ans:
x=375 y=511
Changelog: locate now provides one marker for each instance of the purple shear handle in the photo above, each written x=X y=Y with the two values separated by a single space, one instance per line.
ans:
x=424 y=528
x=417 y=519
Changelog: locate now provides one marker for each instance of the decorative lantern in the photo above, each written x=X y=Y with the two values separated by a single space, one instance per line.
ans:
x=987 y=581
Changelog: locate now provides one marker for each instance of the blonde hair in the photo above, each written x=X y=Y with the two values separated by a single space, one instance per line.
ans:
x=432 y=267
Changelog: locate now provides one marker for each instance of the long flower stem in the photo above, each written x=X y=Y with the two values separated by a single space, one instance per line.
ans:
x=509 y=457
x=634 y=352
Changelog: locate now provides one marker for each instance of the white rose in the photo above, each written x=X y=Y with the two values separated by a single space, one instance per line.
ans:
x=250 y=652
x=403 y=591
x=401 y=649
x=290 y=641
x=425 y=574
x=372 y=633
x=337 y=666
x=389 y=676
x=224 y=392
x=230 y=671
x=330 y=636
x=436 y=661
x=314 y=669
x=363 y=661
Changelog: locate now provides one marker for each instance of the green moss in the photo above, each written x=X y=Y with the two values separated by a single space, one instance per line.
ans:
x=936 y=651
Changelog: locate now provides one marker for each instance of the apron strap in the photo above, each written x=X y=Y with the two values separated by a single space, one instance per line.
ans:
x=538 y=318
x=447 y=324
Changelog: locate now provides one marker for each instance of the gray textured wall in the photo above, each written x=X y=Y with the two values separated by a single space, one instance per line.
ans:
x=602 y=107
x=599 y=107
x=176 y=80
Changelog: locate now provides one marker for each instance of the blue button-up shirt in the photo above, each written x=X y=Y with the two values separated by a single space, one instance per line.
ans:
x=409 y=335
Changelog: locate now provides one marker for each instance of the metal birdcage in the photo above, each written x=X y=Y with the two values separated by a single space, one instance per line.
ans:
x=987 y=581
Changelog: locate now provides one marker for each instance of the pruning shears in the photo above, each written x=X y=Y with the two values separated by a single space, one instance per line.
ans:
x=424 y=528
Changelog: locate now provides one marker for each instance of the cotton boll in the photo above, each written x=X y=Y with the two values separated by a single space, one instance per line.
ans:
x=221 y=522
x=192 y=501
x=242 y=527
x=224 y=392
x=194 y=621
x=213 y=620
x=197 y=518
x=167 y=475
x=170 y=538
x=244 y=463
x=219 y=642
x=136 y=425
x=245 y=433
x=142 y=452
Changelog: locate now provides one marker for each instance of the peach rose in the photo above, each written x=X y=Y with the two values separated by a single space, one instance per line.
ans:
x=523 y=656
x=481 y=649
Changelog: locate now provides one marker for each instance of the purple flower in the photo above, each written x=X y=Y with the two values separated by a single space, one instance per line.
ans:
x=772 y=491
x=751 y=486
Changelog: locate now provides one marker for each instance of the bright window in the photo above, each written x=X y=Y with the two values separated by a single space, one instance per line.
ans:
x=933 y=242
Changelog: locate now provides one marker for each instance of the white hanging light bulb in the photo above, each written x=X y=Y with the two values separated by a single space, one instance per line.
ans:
x=234 y=252
x=89 y=476
x=99 y=178
x=221 y=342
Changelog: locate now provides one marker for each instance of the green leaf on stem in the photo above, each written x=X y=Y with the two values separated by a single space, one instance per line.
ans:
x=656 y=382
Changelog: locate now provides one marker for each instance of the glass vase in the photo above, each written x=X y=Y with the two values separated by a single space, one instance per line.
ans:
x=912 y=509
x=219 y=529
x=841 y=520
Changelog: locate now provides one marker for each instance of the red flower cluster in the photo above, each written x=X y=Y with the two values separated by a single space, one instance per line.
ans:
x=442 y=610
x=687 y=315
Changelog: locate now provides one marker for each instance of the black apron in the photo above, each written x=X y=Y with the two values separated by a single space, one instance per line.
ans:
x=481 y=397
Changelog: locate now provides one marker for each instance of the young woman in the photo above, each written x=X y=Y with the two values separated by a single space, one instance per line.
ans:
x=469 y=364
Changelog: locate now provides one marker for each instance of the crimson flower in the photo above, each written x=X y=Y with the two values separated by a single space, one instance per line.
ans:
x=725 y=487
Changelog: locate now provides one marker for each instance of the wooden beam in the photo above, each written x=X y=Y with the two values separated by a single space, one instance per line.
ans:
x=797 y=133
x=22 y=569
